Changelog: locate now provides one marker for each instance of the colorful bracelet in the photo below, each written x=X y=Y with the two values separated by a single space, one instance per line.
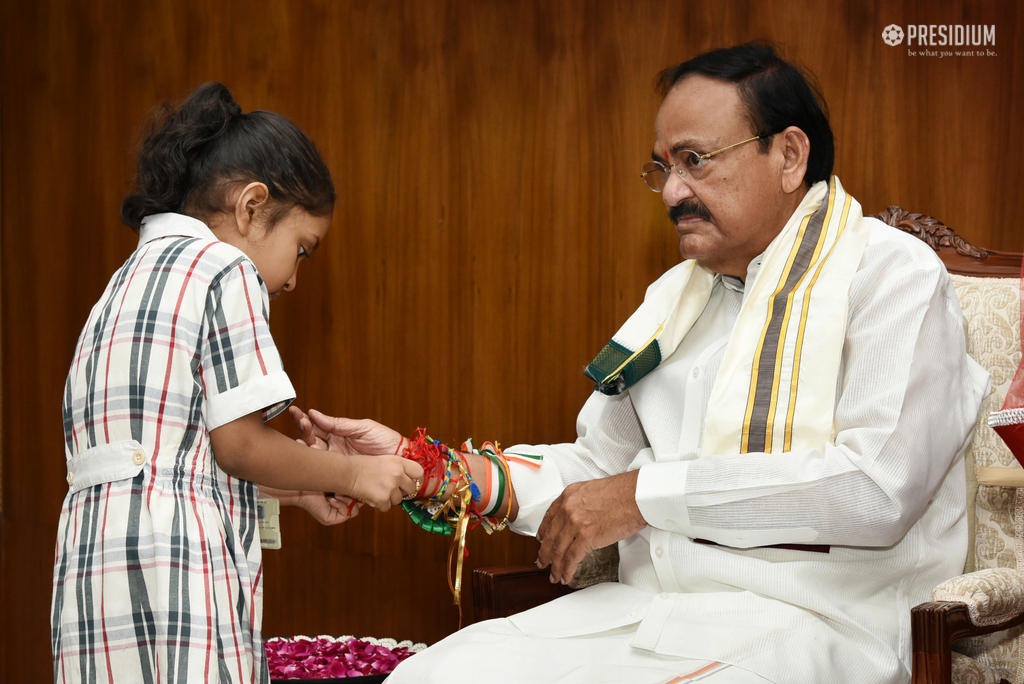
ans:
x=449 y=457
x=425 y=520
x=462 y=509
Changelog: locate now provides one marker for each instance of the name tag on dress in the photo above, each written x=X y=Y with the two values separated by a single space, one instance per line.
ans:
x=268 y=516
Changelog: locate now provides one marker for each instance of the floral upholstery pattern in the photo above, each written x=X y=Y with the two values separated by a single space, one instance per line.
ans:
x=991 y=596
x=969 y=671
x=992 y=315
x=991 y=309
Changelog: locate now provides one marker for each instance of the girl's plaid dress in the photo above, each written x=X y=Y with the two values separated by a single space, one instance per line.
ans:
x=158 y=574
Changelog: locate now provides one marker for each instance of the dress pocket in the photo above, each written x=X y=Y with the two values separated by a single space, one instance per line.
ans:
x=105 y=463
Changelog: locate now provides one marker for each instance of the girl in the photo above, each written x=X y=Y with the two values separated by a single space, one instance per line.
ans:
x=158 y=571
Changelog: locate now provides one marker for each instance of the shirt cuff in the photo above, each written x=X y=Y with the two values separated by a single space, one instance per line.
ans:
x=272 y=390
x=660 y=495
x=536 y=489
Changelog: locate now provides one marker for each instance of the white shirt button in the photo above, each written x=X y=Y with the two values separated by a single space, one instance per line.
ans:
x=71 y=478
x=663 y=596
x=139 y=457
x=698 y=371
x=670 y=523
x=658 y=552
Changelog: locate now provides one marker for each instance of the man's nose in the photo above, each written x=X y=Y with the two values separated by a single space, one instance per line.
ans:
x=676 y=189
x=290 y=285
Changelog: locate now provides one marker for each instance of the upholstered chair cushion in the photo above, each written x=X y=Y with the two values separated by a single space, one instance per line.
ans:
x=991 y=596
x=969 y=671
x=991 y=309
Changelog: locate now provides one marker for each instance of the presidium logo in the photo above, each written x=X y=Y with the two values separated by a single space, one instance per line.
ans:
x=955 y=37
x=892 y=35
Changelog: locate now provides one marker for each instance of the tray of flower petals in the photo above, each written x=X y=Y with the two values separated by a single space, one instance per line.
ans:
x=346 y=659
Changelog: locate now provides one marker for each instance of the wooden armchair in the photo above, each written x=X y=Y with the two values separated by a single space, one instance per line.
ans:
x=971 y=632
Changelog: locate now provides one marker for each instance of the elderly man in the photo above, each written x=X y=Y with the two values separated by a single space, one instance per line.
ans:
x=776 y=440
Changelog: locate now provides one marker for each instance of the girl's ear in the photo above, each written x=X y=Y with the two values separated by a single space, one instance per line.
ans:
x=253 y=198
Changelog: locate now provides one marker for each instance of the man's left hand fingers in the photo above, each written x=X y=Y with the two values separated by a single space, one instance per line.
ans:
x=550 y=533
x=553 y=547
x=564 y=567
x=587 y=516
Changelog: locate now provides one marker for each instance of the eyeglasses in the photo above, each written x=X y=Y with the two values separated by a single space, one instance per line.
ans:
x=691 y=164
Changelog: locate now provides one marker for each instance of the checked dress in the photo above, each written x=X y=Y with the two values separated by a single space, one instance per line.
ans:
x=158 y=570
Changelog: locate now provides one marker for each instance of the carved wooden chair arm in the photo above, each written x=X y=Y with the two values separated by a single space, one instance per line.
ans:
x=503 y=591
x=977 y=603
x=935 y=626
x=500 y=592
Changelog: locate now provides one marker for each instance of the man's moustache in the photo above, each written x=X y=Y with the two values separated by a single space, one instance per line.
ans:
x=688 y=210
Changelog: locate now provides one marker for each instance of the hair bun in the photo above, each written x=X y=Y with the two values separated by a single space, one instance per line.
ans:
x=205 y=140
x=179 y=137
x=210 y=105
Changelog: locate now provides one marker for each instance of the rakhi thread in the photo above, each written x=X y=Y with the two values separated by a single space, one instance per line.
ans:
x=461 y=512
x=433 y=456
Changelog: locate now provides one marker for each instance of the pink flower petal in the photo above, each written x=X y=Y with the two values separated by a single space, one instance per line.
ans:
x=322 y=658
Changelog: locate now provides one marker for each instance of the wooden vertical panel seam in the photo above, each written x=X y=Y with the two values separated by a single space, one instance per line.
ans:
x=1 y=310
x=5 y=607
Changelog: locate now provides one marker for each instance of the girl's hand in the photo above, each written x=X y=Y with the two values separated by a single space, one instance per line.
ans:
x=379 y=481
x=327 y=509
x=383 y=481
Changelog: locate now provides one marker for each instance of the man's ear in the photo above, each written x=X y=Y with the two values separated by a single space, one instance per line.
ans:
x=253 y=199
x=796 y=149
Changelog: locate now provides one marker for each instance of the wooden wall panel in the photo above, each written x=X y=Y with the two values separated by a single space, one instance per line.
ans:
x=491 y=229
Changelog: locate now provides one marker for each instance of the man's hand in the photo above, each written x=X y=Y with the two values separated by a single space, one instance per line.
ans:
x=345 y=435
x=380 y=477
x=587 y=516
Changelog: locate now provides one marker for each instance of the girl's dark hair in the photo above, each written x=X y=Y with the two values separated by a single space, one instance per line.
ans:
x=194 y=152
x=777 y=95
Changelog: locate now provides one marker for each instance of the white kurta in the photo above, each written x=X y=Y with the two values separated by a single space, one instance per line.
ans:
x=888 y=497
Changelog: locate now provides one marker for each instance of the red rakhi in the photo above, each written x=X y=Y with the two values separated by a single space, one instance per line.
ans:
x=430 y=454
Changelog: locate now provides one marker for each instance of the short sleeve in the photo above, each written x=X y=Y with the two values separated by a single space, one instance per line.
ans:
x=240 y=368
